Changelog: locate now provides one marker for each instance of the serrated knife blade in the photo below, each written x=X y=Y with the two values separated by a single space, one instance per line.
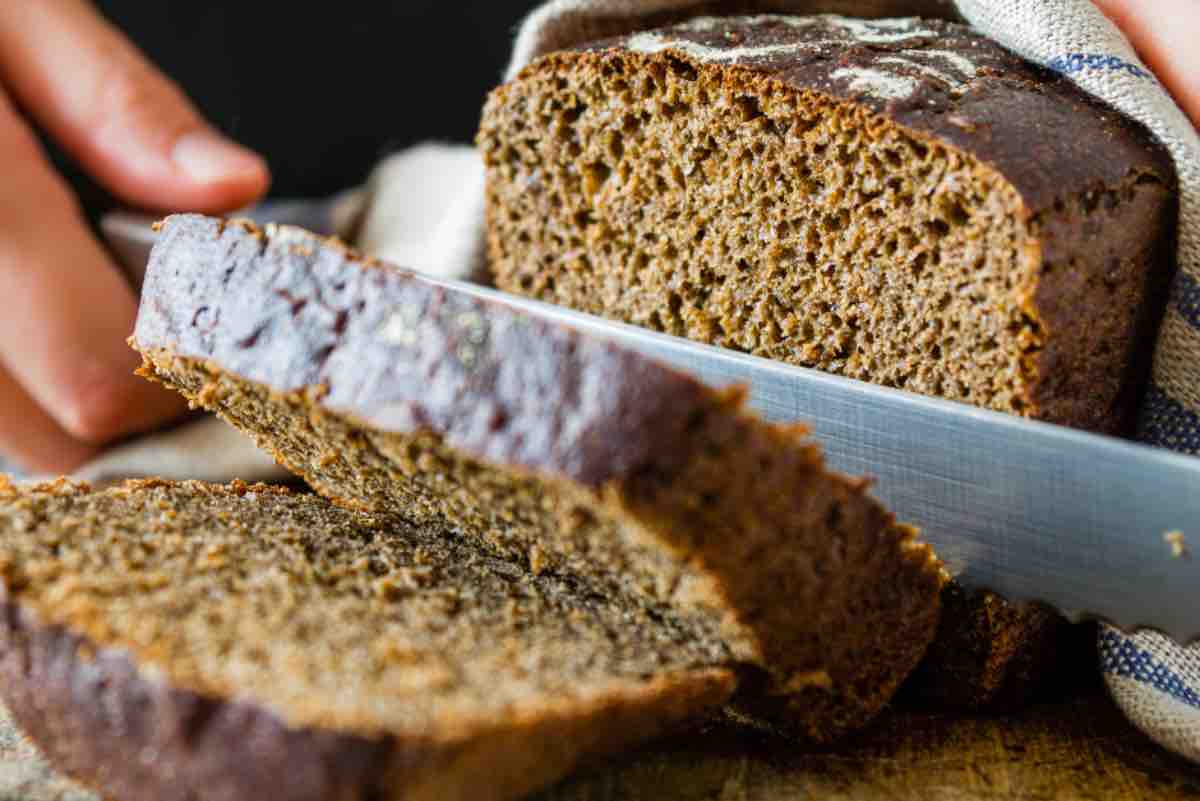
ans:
x=1093 y=526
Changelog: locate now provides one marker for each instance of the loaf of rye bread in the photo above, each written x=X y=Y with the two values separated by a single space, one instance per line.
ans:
x=559 y=453
x=190 y=642
x=898 y=201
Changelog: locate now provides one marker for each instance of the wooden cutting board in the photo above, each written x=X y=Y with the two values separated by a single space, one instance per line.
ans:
x=1074 y=749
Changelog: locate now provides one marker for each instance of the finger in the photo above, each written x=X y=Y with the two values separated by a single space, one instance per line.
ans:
x=67 y=311
x=1165 y=34
x=126 y=123
x=31 y=438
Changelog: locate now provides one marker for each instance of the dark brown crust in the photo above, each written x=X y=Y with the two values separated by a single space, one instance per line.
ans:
x=1104 y=274
x=426 y=360
x=1097 y=188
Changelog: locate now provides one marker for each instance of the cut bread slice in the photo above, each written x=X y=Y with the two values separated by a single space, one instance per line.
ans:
x=189 y=641
x=561 y=454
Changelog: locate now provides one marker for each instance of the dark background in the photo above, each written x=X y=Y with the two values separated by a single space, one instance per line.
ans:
x=324 y=89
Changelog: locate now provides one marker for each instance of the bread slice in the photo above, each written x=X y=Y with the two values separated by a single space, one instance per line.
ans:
x=899 y=201
x=562 y=454
x=186 y=641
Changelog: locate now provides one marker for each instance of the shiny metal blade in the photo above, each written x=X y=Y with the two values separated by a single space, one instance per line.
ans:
x=1093 y=526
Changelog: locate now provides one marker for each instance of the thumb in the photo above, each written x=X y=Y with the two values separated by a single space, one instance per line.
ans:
x=1164 y=33
x=127 y=124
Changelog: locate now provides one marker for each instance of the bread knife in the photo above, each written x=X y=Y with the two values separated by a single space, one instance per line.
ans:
x=1094 y=526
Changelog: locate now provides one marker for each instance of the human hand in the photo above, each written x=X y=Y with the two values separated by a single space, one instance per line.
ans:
x=66 y=372
x=1166 y=34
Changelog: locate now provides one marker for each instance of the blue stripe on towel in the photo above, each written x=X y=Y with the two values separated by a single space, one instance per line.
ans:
x=1185 y=297
x=1120 y=657
x=1167 y=423
x=1071 y=63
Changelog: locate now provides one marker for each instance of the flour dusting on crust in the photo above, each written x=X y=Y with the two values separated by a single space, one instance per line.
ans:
x=880 y=31
x=898 y=77
x=957 y=60
x=651 y=42
x=877 y=83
